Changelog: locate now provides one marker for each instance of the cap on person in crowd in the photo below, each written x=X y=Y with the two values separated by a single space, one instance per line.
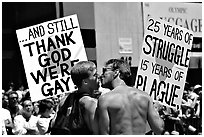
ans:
x=197 y=89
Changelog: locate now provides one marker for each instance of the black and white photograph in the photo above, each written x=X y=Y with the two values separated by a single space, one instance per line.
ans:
x=101 y=68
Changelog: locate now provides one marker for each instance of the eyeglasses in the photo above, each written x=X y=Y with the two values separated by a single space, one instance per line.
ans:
x=106 y=69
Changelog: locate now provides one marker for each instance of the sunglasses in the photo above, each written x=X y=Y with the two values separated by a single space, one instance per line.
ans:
x=106 y=69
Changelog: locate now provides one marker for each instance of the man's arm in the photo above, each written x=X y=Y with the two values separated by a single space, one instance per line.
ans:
x=90 y=105
x=155 y=122
x=194 y=101
x=103 y=118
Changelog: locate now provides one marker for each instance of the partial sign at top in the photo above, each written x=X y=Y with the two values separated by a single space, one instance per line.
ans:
x=49 y=51
x=164 y=61
x=187 y=15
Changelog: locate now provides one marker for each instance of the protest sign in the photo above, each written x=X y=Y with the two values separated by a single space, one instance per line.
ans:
x=187 y=15
x=164 y=61
x=49 y=51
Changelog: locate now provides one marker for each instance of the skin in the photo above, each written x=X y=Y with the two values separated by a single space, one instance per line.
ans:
x=27 y=109
x=43 y=126
x=27 y=112
x=89 y=104
x=5 y=101
x=13 y=100
x=13 y=105
x=125 y=110
x=47 y=113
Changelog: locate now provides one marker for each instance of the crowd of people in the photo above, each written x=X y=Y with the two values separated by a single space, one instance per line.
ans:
x=106 y=104
x=186 y=120
x=21 y=116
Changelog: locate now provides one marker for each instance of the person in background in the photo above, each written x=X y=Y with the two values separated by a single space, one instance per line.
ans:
x=26 y=122
x=56 y=100
x=193 y=96
x=36 y=108
x=45 y=115
x=10 y=87
x=14 y=106
x=26 y=94
x=198 y=108
x=5 y=101
x=20 y=92
x=6 y=120
x=187 y=112
x=198 y=91
x=125 y=109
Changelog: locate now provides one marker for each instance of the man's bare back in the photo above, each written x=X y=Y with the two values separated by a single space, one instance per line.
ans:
x=127 y=110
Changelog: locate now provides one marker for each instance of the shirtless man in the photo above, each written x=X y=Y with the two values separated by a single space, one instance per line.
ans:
x=84 y=75
x=125 y=109
x=86 y=78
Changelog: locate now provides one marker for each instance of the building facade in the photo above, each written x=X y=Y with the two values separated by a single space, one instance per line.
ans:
x=109 y=30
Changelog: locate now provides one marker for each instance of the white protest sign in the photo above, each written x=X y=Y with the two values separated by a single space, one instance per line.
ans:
x=184 y=14
x=164 y=62
x=49 y=51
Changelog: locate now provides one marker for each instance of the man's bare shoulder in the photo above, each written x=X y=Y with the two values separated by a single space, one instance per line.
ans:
x=121 y=93
x=139 y=96
x=131 y=91
x=88 y=102
x=104 y=99
x=138 y=92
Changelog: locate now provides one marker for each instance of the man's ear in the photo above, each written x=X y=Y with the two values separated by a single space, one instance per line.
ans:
x=116 y=73
x=84 y=82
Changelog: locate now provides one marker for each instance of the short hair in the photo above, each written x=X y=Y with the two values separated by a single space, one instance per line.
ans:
x=4 y=95
x=12 y=92
x=124 y=69
x=45 y=104
x=82 y=70
x=23 y=105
